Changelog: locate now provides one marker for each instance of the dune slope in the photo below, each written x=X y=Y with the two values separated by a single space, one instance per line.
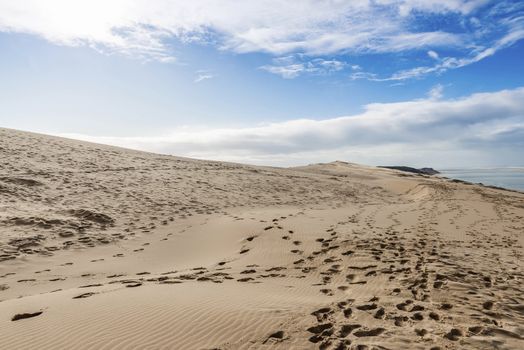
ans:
x=109 y=248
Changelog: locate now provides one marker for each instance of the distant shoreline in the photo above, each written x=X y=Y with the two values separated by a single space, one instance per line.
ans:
x=510 y=179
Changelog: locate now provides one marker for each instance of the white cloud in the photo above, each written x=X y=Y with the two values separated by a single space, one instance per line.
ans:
x=315 y=27
x=433 y=54
x=436 y=92
x=516 y=33
x=203 y=75
x=483 y=129
x=289 y=71
x=462 y=6
x=363 y=75
x=289 y=67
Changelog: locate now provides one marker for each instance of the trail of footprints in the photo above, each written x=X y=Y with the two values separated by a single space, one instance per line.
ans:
x=426 y=270
x=75 y=196
x=420 y=273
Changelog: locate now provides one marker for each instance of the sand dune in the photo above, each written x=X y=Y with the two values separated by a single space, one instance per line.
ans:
x=109 y=248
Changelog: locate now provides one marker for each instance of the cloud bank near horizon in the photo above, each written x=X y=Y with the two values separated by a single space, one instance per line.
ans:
x=483 y=129
x=287 y=30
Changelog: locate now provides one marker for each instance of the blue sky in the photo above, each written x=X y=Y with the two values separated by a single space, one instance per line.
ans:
x=438 y=83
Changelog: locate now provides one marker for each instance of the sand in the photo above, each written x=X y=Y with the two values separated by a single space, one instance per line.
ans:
x=109 y=248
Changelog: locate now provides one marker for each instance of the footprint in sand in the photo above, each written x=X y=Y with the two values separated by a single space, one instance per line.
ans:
x=369 y=333
x=488 y=305
x=318 y=329
x=133 y=285
x=434 y=316
x=346 y=329
x=246 y=279
x=26 y=315
x=84 y=295
x=446 y=306
x=91 y=285
x=327 y=291
x=380 y=313
x=417 y=316
x=57 y=279
x=400 y=320
x=322 y=314
x=348 y=312
x=277 y=336
x=367 y=307
x=474 y=330
x=454 y=334
x=320 y=332
x=421 y=332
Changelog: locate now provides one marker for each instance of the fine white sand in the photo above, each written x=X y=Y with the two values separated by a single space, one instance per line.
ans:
x=108 y=248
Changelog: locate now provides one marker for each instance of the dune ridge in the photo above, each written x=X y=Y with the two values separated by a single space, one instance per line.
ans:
x=109 y=248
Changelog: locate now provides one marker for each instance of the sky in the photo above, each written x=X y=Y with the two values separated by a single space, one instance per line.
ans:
x=272 y=82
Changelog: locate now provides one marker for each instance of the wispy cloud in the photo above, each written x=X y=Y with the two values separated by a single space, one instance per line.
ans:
x=290 y=67
x=512 y=26
x=454 y=63
x=433 y=54
x=488 y=127
x=436 y=92
x=203 y=75
x=279 y=27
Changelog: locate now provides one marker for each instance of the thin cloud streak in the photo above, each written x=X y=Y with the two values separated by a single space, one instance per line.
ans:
x=203 y=76
x=514 y=34
x=290 y=67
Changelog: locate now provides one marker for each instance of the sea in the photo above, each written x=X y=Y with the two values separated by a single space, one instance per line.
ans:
x=510 y=178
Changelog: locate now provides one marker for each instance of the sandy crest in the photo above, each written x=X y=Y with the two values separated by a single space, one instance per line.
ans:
x=107 y=248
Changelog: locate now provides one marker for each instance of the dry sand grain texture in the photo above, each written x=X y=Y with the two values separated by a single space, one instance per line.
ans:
x=108 y=248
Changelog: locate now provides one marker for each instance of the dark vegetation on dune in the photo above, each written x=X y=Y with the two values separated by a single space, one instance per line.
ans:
x=423 y=171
